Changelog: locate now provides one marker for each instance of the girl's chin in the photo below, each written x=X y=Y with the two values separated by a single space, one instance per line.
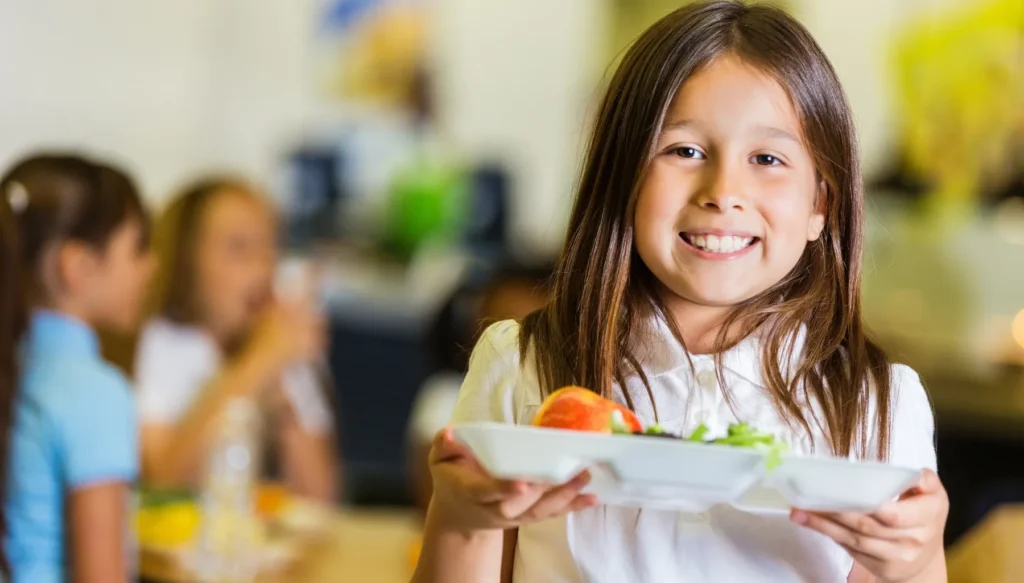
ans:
x=708 y=298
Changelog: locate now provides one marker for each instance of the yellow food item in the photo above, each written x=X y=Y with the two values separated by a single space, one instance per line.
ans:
x=170 y=525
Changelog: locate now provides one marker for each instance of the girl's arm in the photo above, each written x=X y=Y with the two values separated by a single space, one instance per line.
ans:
x=452 y=556
x=172 y=454
x=309 y=460
x=860 y=575
x=96 y=517
x=472 y=516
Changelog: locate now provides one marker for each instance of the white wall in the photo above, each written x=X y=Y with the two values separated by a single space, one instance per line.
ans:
x=171 y=87
x=516 y=80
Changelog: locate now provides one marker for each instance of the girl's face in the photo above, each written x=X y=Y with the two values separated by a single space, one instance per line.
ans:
x=730 y=199
x=117 y=283
x=236 y=250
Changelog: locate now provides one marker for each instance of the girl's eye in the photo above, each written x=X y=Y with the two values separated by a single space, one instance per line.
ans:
x=767 y=160
x=688 y=152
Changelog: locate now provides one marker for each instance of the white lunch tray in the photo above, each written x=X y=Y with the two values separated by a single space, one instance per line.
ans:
x=674 y=474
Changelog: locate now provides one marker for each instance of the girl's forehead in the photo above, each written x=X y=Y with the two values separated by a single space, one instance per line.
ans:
x=730 y=94
x=233 y=207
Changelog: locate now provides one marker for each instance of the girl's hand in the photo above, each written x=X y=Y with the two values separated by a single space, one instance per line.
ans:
x=467 y=499
x=899 y=542
x=288 y=333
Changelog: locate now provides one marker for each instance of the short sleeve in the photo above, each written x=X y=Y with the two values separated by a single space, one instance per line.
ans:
x=97 y=431
x=489 y=392
x=912 y=437
x=172 y=365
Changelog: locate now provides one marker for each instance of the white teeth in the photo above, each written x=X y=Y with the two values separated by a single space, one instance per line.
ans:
x=720 y=244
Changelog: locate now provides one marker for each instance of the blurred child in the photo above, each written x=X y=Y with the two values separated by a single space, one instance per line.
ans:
x=78 y=258
x=218 y=333
x=511 y=293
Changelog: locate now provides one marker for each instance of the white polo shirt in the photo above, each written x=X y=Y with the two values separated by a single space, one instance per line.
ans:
x=175 y=362
x=615 y=544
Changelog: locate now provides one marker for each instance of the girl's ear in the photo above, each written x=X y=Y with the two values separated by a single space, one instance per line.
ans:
x=74 y=264
x=817 y=223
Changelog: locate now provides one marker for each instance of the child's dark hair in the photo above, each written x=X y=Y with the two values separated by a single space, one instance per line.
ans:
x=605 y=298
x=459 y=321
x=48 y=199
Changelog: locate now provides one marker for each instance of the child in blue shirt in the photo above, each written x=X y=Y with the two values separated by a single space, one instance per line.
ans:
x=76 y=248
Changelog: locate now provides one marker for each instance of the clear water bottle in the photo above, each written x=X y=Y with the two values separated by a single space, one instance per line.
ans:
x=228 y=542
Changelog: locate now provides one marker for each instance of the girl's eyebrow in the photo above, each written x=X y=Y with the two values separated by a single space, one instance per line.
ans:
x=774 y=132
x=765 y=131
x=682 y=124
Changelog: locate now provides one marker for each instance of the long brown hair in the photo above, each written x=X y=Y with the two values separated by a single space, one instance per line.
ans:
x=48 y=199
x=175 y=237
x=12 y=323
x=604 y=296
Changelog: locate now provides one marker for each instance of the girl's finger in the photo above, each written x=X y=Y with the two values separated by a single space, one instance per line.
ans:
x=446 y=448
x=511 y=508
x=870 y=563
x=928 y=484
x=865 y=524
x=480 y=487
x=558 y=500
x=582 y=502
x=916 y=511
x=876 y=548
x=522 y=506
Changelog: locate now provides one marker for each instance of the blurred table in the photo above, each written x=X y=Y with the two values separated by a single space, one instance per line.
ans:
x=364 y=545
x=993 y=552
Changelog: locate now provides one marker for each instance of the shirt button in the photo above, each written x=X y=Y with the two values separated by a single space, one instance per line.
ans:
x=707 y=380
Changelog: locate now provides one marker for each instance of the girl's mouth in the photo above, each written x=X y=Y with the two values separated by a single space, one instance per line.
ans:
x=719 y=246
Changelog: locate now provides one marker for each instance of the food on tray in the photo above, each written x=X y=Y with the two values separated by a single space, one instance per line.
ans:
x=738 y=435
x=581 y=409
x=584 y=410
x=170 y=525
x=171 y=520
x=271 y=500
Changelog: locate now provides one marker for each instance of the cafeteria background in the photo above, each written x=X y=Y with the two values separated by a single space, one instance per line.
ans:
x=419 y=148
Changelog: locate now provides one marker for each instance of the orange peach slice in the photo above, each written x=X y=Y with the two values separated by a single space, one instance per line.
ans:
x=581 y=409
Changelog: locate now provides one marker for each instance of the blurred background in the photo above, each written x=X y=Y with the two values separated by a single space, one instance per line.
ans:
x=425 y=152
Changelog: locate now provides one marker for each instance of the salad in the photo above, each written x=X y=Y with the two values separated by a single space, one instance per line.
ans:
x=738 y=435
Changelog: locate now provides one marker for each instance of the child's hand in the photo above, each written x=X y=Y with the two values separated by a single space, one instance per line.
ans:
x=468 y=499
x=289 y=333
x=898 y=542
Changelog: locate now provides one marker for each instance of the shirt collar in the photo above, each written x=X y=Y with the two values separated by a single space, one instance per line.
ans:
x=54 y=331
x=660 y=353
